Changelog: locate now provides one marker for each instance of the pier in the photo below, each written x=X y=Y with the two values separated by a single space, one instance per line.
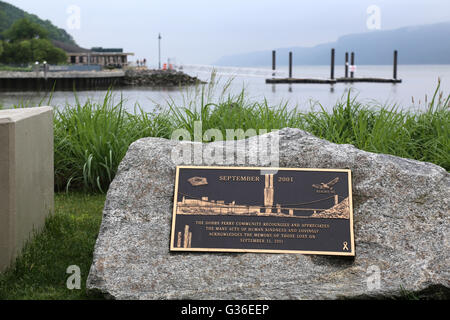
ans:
x=332 y=79
x=368 y=79
x=79 y=80
x=301 y=80
x=93 y=80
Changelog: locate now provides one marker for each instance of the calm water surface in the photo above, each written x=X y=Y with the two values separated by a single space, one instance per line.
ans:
x=419 y=83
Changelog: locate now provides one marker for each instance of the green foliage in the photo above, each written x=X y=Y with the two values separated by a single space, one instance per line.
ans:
x=43 y=50
x=27 y=68
x=27 y=43
x=10 y=14
x=28 y=51
x=92 y=138
x=3 y=21
x=24 y=29
x=68 y=238
x=230 y=112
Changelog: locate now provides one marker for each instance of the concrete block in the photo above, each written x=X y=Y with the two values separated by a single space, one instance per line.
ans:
x=26 y=177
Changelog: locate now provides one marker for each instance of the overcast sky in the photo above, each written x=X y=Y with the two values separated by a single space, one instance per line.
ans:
x=201 y=31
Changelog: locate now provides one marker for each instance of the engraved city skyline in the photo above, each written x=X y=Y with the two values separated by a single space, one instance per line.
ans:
x=204 y=206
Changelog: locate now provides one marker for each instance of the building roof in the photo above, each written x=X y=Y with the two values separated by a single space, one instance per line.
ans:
x=107 y=50
x=74 y=49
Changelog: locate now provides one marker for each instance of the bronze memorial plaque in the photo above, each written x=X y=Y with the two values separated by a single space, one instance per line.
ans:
x=270 y=210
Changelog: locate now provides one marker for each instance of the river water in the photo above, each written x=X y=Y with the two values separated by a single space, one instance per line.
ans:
x=419 y=84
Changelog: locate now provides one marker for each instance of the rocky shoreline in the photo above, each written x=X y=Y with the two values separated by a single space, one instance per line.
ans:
x=158 y=78
x=93 y=80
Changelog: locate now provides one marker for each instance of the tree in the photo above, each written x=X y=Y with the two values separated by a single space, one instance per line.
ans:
x=16 y=53
x=26 y=51
x=26 y=42
x=3 y=21
x=1 y=48
x=24 y=29
x=44 y=50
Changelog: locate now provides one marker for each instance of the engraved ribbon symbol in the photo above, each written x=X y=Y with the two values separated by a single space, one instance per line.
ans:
x=345 y=246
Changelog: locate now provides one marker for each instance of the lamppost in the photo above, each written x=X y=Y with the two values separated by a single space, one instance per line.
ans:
x=159 y=51
x=36 y=68
x=45 y=69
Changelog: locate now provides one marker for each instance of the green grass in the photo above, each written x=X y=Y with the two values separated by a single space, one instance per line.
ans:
x=68 y=238
x=91 y=138
x=13 y=68
x=423 y=136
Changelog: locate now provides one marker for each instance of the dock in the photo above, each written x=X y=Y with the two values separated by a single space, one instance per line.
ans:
x=79 y=80
x=331 y=81
x=301 y=80
x=379 y=80
x=350 y=67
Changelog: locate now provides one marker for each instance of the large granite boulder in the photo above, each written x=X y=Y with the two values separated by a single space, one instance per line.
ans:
x=401 y=222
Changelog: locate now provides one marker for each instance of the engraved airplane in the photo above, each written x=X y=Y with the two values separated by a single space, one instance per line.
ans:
x=326 y=186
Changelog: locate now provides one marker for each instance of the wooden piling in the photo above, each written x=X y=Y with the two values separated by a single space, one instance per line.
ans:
x=332 y=64
x=346 y=65
x=395 y=64
x=273 y=62
x=290 y=64
x=352 y=63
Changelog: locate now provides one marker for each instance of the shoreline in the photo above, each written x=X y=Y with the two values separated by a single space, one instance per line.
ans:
x=92 y=80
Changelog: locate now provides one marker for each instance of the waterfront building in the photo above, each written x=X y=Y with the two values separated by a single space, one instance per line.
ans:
x=106 y=57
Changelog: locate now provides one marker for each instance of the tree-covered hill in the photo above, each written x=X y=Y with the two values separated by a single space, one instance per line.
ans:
x=10 y=14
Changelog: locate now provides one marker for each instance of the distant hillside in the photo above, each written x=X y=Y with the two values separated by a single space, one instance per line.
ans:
x=9 y=14
x=429 y=44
